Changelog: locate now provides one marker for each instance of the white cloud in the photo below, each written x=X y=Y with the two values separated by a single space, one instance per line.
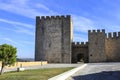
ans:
x=26 y=8
x=17 y=23
x=27 y=42
x=19 y=27
x=82 y=24
x=24 y=31
x=10 y=41
x=38 y=5
x=80 y=37
x=19 y=2
x=113 y=28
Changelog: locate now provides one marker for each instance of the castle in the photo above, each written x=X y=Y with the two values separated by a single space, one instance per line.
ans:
x=54 y=43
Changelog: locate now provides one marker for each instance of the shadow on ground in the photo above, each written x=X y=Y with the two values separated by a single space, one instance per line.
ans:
x=105 y=75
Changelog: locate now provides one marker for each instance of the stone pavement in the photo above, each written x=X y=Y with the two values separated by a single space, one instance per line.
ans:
x=65 y=75
x=98 y=71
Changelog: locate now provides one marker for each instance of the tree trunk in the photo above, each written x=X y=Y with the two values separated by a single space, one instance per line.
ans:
x=2 y=69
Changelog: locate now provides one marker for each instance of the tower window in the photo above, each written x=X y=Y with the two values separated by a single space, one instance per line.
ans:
x=91 y=55
x=49 y=45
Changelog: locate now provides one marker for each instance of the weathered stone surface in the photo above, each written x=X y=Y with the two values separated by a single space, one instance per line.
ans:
x=79 y=52
x=113 y=48
x=53 y=39
x=54 y=44
x=97 y=51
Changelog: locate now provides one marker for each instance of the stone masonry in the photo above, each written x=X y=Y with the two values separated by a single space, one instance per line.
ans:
x=113 y=47
x=79 y=52
x=54 y=43
x=96 y=46
x=53 y=39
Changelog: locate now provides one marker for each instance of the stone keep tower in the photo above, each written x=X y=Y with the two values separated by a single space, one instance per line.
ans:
x=53 y=39
x=97 y=51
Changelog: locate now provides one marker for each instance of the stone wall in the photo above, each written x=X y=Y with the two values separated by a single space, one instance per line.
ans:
x=97 y=51
x=53 y=42
x=79 y=51
x=113 y=47
x=24 y=64
x=53 y=39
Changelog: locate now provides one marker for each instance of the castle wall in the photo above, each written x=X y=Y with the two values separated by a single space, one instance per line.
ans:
x=96 y=46
x=24 y=64
x=53 y=39
x=53 y=42
x=113 y=47
x=79 y=49
x=67 y=37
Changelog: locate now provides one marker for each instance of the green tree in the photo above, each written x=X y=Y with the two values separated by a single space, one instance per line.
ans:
x=7 y=56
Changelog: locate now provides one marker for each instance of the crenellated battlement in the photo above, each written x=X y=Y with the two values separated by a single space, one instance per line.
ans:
x=54 y=37
x=114 y=35
x=52 y=17
x=78 y=44
x=96 y=31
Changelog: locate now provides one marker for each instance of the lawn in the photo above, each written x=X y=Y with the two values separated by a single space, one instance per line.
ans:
x=37 y=74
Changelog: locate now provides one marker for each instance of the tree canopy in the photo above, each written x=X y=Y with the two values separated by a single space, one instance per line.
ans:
x=7 y=55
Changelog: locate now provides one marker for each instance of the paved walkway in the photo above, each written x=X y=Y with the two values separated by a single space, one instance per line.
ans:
x=46 y=66
x=65 y=75
x=98 y=71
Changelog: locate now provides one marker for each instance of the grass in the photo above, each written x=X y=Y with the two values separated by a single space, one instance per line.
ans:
x=37 y=74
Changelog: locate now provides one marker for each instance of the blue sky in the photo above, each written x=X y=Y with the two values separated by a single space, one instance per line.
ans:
x=17 y=19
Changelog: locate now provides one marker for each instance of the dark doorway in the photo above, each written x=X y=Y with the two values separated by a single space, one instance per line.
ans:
x=80 y=58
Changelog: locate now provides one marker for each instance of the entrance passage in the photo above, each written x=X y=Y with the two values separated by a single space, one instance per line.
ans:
x=80 y=57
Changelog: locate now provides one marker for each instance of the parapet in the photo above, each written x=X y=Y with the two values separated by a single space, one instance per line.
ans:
x=113 y=35
x=96 y=31
x=37 y=20
x=78 y=44
x=53 y=17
